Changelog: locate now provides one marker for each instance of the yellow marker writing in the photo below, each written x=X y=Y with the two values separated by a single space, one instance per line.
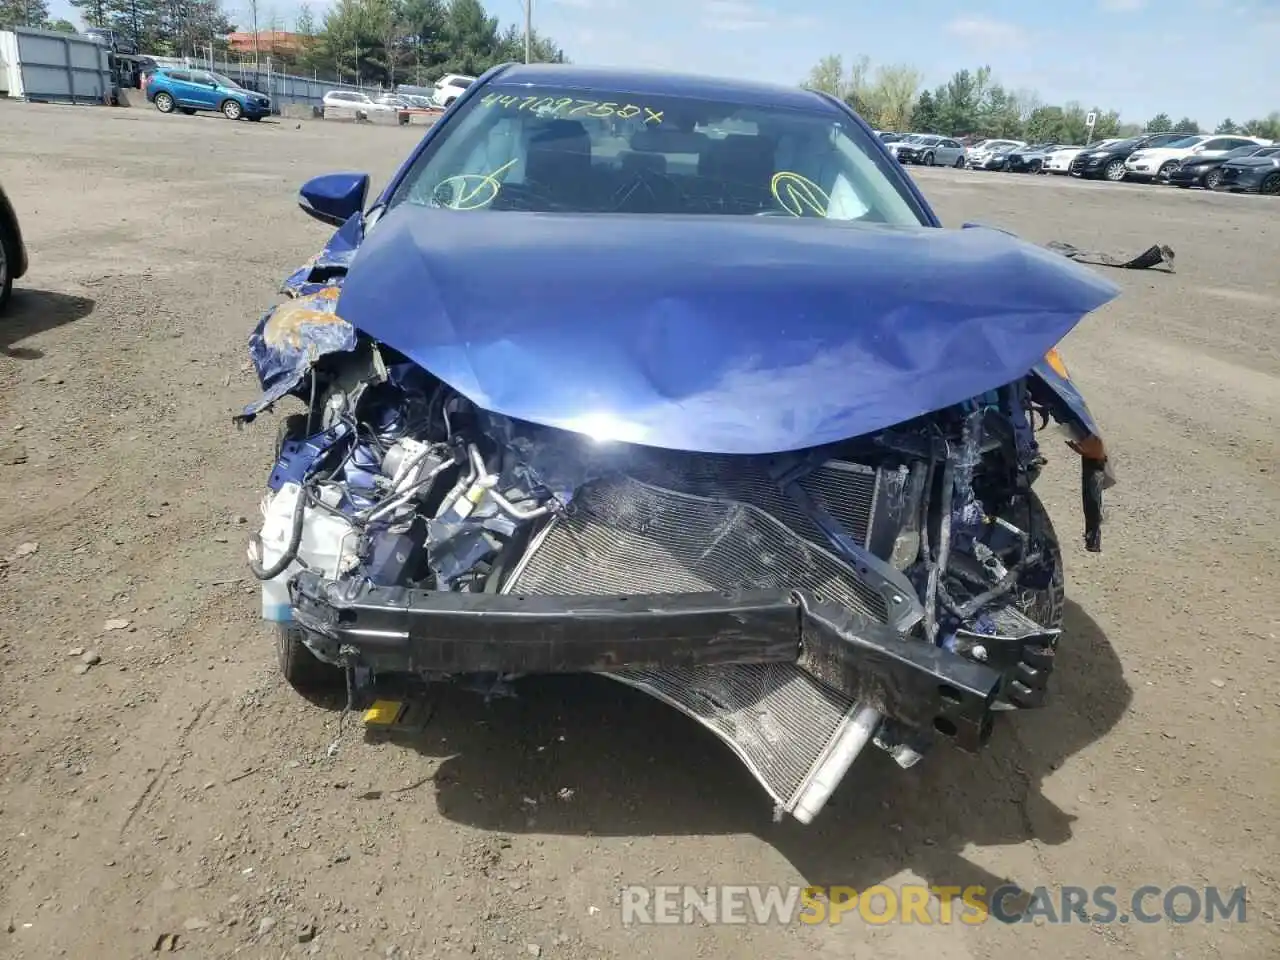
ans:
x=797 y=194
x=471 y=191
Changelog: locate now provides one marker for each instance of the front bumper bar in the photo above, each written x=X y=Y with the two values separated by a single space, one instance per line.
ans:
x=399 y=630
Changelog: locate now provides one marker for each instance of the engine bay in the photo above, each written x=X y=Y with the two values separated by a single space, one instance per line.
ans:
x=394 y=479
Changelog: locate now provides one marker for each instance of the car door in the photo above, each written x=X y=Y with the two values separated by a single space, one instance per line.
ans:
x=949 y=151
x=180 y=86
x=204 y=91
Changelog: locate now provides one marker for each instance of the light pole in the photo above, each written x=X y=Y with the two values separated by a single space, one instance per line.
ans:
x=528 y=29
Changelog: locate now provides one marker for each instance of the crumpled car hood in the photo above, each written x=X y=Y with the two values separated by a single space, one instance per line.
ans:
x=712 y=334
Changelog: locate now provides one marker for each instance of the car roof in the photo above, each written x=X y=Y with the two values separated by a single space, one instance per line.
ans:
x=658 y=83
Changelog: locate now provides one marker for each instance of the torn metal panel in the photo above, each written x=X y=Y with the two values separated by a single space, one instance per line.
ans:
x=290 y=338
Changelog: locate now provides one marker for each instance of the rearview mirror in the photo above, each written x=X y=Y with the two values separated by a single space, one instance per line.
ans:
x=335 y=197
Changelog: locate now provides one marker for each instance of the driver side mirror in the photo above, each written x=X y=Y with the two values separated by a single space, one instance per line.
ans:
x=334 y=197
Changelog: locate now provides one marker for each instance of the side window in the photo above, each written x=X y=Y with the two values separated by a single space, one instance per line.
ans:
x=950 y=143
x=1218 y=144
x=201 y=78
x=179 y=75
x=1242 y=143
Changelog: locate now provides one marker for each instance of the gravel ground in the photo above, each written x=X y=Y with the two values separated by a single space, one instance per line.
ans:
x=157 y=778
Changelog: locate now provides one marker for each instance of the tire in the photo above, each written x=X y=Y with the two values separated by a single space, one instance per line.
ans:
x=299 y=666
x=1045 y=607
x=928 y=159
x=1165 y=170
x=7 y=256
x=164 y=102
x=292 y=427
x=1036 y=166
x=1212 y=179
x=1271 y=185
x=231 y=109
x=959 y=164
x=449 y=103
x=1114 y=171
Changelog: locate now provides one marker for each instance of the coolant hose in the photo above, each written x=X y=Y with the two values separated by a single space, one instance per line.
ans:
x=290 y=551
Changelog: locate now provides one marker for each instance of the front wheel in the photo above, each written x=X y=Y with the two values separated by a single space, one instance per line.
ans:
x=299 y=666
x=1271 y=185
x=1168 y=168
x=164 y=103
x=928 y=159
x=1212 y=179
x=1045 y=607
x=1114 y=171
x=959 y=164
x=232 y=110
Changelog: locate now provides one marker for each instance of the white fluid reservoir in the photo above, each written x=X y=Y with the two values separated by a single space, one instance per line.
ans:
x=325 y=537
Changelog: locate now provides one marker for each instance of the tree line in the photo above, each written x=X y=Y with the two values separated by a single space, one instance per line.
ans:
x=390 y=41
x=31 y=13
x=972 y=102
x=370 y=41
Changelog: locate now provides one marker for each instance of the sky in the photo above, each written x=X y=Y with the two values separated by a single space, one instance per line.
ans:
x=1206 y=59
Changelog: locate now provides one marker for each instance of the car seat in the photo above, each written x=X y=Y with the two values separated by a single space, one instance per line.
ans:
x=736 y=173
x=558 y=163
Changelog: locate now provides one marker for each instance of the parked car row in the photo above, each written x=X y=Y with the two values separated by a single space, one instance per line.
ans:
x=1233 y=162
x=1238 y=163
x=187 y=90
x=446 y=90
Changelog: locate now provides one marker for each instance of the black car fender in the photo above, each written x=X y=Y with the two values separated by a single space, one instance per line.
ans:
x=11 y=235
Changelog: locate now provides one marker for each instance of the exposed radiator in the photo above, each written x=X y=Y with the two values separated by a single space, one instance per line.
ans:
x=778 y=720
x=846 y=490
x=625 y=536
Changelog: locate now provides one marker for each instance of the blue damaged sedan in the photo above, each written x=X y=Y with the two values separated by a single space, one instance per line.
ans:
x=681 y=382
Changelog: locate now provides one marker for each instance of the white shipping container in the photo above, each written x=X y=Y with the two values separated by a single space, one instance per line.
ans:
x=50 y=65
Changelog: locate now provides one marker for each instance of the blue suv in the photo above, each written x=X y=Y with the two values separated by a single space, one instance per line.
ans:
x=173 y=89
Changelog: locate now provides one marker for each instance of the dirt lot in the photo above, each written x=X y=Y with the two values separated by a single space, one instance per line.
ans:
x=179 y=787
